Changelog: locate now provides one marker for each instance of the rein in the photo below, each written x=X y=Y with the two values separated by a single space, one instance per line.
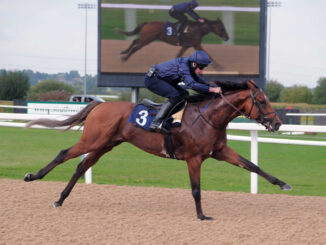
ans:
x=235 y=108
x=202 y=111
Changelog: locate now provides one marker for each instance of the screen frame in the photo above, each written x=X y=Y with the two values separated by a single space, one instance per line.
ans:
x=136 y=80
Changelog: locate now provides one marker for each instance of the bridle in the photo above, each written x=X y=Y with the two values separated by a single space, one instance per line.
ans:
x=265 y=121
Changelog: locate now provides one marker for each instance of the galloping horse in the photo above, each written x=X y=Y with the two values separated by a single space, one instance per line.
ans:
x=106 y=126
x=151 y=31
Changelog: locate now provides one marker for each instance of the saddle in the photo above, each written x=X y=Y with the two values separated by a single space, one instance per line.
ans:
x=177 y=116
x=144 y=113
x=151 y=104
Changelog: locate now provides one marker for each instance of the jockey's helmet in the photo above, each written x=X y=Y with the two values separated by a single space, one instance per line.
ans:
x=194 y=3
x=200 y=58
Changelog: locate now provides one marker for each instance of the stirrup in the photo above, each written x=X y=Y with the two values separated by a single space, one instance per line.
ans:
x=158 y=128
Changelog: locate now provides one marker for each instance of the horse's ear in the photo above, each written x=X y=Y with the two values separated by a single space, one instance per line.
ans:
x=251 y=84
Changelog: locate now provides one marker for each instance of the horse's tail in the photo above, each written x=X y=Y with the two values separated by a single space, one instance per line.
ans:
x=131 y=33
x=72 y=121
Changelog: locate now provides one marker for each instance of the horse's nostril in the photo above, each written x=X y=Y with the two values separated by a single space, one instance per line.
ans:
x=277 y=126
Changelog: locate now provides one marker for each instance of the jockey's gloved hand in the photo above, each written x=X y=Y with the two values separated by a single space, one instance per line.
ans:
x=216 y=90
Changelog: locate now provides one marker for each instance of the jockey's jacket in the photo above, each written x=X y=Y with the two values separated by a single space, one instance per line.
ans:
x=182 y=8
x=178 y=70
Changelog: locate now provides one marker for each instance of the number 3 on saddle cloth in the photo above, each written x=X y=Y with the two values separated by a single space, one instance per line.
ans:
x=142 y=116
x=171 y=29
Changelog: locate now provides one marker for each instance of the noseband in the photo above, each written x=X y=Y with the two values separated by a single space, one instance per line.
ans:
x=266 y=121
x=262 y=116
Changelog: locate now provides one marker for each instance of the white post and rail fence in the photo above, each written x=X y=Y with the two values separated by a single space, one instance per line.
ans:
x=6 y=119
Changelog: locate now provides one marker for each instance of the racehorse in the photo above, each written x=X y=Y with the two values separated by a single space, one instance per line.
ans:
x=151 y=31
x=202 y=135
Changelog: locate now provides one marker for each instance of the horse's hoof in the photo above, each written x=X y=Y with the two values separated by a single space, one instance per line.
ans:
x=286 y=187
x=203 y=217
x=28 y=177
x=56 y=204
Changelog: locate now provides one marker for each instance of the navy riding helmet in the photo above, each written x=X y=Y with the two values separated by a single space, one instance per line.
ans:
x=200 y=57
x=194 y=3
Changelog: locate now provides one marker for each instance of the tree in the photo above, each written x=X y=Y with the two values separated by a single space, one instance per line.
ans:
x=37 y=91
x=296 y=94
x=13 y=85
x=273 y=90
x=319 y=95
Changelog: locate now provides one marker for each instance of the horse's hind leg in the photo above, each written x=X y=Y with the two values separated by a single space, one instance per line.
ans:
x=134 y=42
x=131 y=52
x=63 y=156
x=89 y=161
x=181 y=51
x=230 y=156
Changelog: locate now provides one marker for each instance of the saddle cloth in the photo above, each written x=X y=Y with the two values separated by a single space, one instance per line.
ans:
x=142 y=116
x=171 y=28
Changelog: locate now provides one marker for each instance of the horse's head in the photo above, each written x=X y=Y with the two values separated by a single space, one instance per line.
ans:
x=218 y=28
x=258 y=108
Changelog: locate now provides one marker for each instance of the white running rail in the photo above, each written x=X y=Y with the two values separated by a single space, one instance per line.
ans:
x=252 y=127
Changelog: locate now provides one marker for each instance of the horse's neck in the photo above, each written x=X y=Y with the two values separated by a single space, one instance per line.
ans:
x=225 y=111
x=202 y=28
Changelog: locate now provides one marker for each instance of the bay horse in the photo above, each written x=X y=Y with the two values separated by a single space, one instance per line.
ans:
x=151 y=31
x=202 y=135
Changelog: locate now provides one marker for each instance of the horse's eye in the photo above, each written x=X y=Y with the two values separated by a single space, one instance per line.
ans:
x=262 y=102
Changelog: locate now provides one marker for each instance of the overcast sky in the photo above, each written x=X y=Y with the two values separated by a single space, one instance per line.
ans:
x=49 y=36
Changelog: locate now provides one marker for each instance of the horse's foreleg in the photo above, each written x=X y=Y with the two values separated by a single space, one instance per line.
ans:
x=134 y=42
x=194 y=165
x=83 y=166
x=182 y=51
x=230 y=156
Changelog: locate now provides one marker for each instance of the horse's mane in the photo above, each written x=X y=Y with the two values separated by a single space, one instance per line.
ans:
x=228 y=87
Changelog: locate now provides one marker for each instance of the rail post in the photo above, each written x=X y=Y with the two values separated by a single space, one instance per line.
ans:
x=254 y=159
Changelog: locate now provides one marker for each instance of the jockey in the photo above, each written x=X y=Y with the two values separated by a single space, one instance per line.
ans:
x=163 y=79
x=178 y=12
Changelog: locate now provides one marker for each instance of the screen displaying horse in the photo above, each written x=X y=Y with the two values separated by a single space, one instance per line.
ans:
x=135 y=36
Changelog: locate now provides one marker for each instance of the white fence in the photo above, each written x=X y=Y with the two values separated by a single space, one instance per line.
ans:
x=252 y=127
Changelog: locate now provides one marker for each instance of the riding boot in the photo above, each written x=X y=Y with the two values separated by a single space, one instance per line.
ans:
x=180 y=28
x=173 y=105
x=157 y=123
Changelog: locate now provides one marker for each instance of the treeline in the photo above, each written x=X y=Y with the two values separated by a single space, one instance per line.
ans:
x=31 y=85
x=276 y=92
x=36 y=77
x=18 y=85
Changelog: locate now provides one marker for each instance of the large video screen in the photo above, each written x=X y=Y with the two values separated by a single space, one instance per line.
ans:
x=134 y=35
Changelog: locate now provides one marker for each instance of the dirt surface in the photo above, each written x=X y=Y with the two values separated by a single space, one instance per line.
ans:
x=106 y=214
x=231 y=59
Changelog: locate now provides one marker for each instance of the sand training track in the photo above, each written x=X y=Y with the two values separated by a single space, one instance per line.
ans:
x=233 y=59
x=106 y=214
